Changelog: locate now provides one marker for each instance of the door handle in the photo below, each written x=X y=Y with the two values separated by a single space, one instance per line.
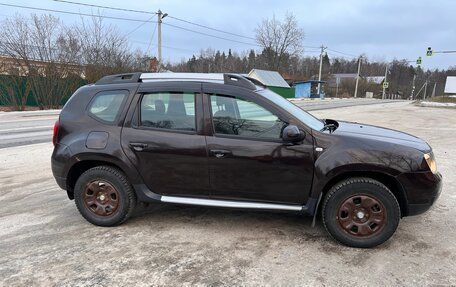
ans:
x=219 y=153
x=138 y=146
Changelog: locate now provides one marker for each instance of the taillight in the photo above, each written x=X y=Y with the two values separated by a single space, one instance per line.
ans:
x=55 y=135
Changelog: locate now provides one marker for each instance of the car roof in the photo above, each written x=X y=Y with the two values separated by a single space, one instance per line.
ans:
x=232 y=79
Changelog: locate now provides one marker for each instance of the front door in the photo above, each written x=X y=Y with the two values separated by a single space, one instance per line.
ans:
x=165 y=144
x=248 y=159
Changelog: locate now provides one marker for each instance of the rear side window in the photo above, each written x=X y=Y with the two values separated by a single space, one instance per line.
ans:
x=169 y=110
x=106 y=105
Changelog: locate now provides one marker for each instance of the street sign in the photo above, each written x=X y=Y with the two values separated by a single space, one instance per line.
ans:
x=429 y=52
x=385 y=85
x=418 y=61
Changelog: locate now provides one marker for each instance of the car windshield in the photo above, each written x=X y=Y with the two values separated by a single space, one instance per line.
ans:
x=296 y=111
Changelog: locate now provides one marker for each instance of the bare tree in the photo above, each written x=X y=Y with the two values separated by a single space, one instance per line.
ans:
x=279 y=39
x=102 y=50
x=34 y=45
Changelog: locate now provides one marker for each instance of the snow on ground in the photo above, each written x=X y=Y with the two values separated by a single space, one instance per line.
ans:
x=438 y=105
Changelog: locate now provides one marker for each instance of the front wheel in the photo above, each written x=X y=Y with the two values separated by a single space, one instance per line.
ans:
x=360 y=212
x=104 y=196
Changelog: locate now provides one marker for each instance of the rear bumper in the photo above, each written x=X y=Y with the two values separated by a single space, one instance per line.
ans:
x=422 y=190
x=61 y=181
x=59 y=161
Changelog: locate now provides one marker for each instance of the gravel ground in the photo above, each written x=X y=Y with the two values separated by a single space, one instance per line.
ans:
x=45 y=242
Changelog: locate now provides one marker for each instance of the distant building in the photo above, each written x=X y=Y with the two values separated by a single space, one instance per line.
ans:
x=450 y=85
x=309 y=89
x=375 y=79
x=274 y=81
x=338 y=79
x=12 y=66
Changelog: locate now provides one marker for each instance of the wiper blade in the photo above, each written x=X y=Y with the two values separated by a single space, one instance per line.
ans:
x=330 y=127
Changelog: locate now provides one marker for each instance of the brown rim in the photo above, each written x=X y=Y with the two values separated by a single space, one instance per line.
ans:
x=361 y=215
x=101 y=197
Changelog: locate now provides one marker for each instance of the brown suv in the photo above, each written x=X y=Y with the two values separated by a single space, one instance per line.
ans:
x=227 y=141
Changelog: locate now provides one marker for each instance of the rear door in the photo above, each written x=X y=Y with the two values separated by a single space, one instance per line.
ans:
x=165 y=141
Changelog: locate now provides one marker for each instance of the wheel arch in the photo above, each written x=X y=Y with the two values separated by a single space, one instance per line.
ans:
x=80 y=167
x=389 y=181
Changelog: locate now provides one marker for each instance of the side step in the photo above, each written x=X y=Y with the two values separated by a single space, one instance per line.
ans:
x=231 y=203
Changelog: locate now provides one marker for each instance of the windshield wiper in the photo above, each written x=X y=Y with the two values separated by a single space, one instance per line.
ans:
x=328 y=126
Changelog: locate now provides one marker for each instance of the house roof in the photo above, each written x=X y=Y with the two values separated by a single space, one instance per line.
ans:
x=351 y=75
x=268 y=78
x=375 y=79
x=309 y=81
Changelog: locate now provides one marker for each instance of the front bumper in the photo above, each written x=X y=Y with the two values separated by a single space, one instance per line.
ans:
x=422 y=190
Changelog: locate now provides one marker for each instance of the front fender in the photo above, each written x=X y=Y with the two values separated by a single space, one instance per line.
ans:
x=348 y=155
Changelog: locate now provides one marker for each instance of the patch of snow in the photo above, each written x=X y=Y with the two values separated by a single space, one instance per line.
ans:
x=439 y=105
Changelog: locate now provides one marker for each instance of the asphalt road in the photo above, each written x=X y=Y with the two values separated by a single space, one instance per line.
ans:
x=23 y=128
x=45 y=242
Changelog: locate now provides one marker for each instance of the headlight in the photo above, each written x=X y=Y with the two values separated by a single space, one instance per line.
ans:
x=430 y=160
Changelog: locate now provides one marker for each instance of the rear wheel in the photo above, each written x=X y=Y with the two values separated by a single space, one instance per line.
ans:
x=104 y=196
x=360 y=212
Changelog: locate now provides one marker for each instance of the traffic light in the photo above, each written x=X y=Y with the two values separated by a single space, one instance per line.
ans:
x=418 y=61
x=429 y=52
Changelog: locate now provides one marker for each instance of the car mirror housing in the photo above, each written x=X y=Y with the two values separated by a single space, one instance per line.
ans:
x=292 y=134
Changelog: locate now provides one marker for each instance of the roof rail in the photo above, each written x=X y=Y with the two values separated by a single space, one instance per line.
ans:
x=255 y=81
x=182 y=76
x=120 y=79
x=238 y=80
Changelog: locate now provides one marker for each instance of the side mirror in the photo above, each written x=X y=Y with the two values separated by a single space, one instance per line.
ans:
x=292 y=134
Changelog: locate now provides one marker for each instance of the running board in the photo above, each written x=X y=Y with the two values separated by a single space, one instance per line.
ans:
x=231 y=203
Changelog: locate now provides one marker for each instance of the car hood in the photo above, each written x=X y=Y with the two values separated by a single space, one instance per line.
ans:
x=381 y=134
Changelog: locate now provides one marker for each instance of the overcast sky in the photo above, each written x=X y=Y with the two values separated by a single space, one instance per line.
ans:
x=383 y=30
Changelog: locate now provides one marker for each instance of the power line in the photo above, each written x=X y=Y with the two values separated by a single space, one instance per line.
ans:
x=210 y=28
x=150 y=21
x=139 y=26
x=105 y=7
x=342 y=56
x=210 y=35
x=152 y=38
x=154 y=13
x=164 y=46
x=342 y=53
x=74 y=13
x=125 y=19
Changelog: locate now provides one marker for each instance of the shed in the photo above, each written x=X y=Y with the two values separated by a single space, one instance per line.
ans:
x=309 y=89
x=274 y=81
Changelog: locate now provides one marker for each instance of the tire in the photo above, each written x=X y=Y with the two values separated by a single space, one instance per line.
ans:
x=104 y=197
x=360 y=212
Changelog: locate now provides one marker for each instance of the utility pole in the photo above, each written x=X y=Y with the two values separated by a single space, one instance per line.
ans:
x=159 y=22
x=384 y=81
x=321 y=65
x=433 y=90
x=425 y=89
x=337 y=86
x=413 y=86
x=357 y=76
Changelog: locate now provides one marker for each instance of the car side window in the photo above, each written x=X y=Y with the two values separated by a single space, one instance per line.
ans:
x=236 y=116
x=106 y=105
x=168 y=110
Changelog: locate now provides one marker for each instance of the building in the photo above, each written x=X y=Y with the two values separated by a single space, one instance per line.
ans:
x=274 y=81
x=309 y=89
x=450 y=85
